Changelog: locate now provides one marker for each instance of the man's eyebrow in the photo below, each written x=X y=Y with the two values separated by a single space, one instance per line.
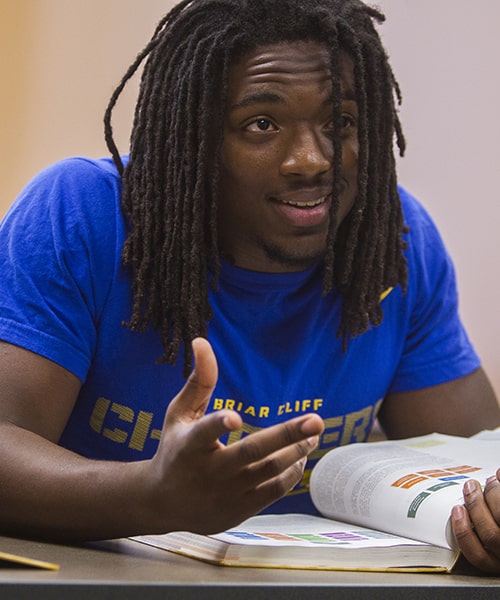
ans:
x=272 y=98
x=258 y=98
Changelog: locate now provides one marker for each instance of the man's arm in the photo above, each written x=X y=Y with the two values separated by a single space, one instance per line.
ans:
x=460 y=407
x=193 y=481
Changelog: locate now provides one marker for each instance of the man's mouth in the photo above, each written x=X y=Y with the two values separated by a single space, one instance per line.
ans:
x=304 y=210
x=307 y=204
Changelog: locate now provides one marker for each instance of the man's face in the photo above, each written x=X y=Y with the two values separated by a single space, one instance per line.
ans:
x=277 y=157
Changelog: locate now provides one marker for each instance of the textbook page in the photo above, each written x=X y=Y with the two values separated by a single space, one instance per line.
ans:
x=404 y=487
x=307 y=531
x=488 y=434
x=299 y=541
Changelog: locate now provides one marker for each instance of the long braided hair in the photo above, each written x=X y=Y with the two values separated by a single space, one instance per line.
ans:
x=171 y=182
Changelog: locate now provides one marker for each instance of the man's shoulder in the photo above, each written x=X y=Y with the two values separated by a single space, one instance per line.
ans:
x=422 y=228
x=74 y=189
x=426 y=251
x=79 y=169
x=72 y=200
x=412 y=207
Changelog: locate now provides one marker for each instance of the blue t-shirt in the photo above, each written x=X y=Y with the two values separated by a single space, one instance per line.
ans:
x=64 y=294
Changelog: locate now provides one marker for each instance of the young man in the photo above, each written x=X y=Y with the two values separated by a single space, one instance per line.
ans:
x=259 y=209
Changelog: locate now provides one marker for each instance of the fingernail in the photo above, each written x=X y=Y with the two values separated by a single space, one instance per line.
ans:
x=470 y=486
x=457 y=513
x=313 y=441
x=230 y=422
x=301 y=463
x=491 y=479
x=309 y=425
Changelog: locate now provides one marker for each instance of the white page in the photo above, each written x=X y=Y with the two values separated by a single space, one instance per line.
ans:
x=488 y=434
x=307 y=531
x=389 y=486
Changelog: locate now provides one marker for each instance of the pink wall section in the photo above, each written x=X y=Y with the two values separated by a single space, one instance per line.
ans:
x=446 y=55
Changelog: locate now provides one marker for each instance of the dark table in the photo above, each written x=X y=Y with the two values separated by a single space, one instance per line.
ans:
x=123 y=569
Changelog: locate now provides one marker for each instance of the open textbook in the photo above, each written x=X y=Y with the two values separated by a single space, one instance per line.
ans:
x=386 y=506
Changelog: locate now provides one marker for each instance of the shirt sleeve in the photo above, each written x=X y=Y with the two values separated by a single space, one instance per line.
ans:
x=58 y=249
x=437 y=348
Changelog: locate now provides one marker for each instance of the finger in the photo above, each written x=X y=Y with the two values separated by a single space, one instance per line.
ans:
x=469 y=543
x=476 y=530
x=485 y=526
x=261 y=444
x=277 y=487
x=192 y=401
x=279 y=462
x=492 y=496
x=205 y=432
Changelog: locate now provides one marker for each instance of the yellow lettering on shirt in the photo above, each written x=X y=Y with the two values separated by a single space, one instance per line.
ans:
x=141 y=430
x=124 y=414
x=105 y=414
x=356 y=426
x=300 y=406
x=123 y=425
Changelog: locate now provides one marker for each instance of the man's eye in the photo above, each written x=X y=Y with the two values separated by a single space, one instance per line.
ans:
x=348 y=122
x=261 y=125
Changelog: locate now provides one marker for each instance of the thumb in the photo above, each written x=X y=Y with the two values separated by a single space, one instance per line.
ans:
x=191 y=402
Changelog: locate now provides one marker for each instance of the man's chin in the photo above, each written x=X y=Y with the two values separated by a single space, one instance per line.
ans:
x=288 y=260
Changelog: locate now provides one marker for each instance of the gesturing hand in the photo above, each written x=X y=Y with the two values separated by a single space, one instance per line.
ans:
x=476 y=525
x=201 y=485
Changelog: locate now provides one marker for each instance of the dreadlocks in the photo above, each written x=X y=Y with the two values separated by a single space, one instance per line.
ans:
x=171 y=183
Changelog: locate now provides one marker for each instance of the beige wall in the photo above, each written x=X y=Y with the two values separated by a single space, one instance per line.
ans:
x=15 y=39
x=61 y=59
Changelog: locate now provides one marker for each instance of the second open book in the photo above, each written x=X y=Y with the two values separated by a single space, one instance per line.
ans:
x=386 y=506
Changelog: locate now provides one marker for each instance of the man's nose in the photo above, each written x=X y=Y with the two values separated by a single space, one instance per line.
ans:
x=308 y=154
